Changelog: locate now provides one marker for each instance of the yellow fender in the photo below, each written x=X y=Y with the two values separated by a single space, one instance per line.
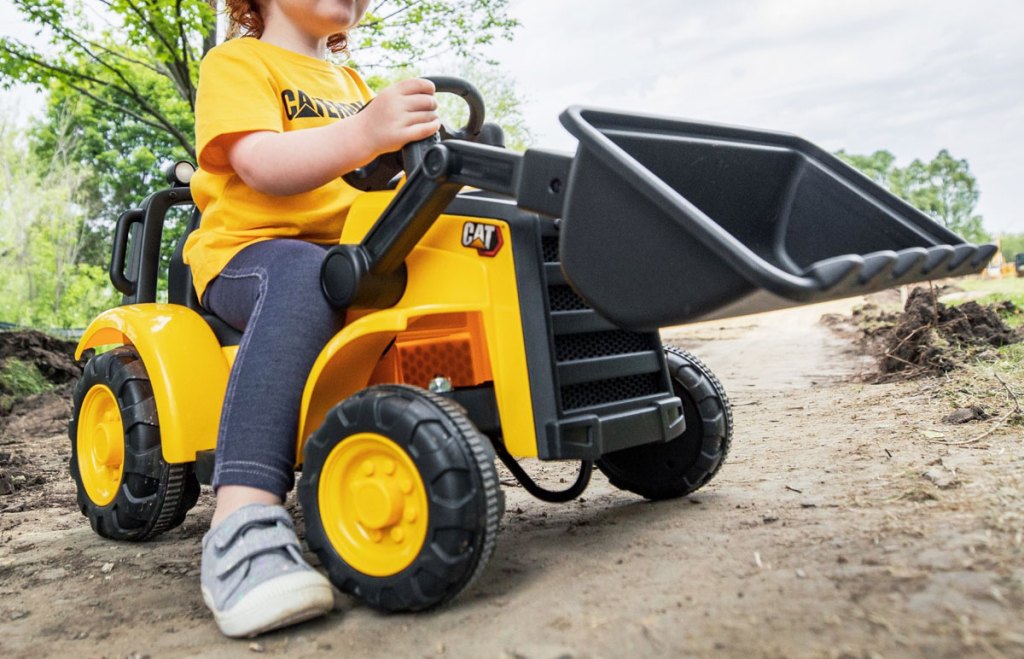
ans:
x=187 y=369
x=345 y=363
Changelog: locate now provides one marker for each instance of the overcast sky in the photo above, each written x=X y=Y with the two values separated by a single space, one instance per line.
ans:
x=910 y=76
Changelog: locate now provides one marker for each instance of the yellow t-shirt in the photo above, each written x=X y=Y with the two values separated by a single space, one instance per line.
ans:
x=247 y=85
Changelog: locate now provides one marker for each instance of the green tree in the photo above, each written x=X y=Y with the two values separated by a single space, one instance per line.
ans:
x=1012 y=244
x=43 y=280
x=944 y=188
x=116 y=59
x=879 y=166
x=121 y=155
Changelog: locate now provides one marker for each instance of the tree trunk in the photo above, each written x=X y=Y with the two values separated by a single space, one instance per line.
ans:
x=210 y=39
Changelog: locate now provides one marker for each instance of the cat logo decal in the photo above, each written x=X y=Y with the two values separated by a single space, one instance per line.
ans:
x=485 y=238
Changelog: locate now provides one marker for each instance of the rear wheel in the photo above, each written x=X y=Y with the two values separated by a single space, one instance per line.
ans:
x=401 y=498
x=125 y=487
x=684 y=464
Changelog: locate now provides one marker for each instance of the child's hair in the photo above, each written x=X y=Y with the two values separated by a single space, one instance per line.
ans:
x=246 y=20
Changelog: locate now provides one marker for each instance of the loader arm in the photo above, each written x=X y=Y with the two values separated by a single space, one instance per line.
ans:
x=666 y=221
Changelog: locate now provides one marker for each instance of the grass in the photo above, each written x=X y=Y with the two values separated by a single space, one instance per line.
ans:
x=998 y=290
x=1015 y=319
x=1009 y=365
x=1004 y=286
x=1011 y=360
x=19 y=379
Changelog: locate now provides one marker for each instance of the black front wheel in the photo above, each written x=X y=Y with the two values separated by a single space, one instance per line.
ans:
x=125 y=487
x=686 y=463
x=401 y=498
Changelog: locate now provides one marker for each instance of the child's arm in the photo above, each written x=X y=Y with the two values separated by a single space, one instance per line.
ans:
x=302 y=160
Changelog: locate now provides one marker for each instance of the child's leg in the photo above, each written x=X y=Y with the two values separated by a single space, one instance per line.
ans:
x=254 y=578
x=272 y=291
x=232 y=497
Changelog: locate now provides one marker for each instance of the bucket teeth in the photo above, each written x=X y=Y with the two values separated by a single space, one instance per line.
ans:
x=853 y=275
x=878 y=266
x=909 y=262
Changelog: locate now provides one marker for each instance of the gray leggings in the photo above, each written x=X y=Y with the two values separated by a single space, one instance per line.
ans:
x=271 y=292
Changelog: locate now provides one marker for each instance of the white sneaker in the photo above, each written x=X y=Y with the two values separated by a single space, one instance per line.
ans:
x=253 y=576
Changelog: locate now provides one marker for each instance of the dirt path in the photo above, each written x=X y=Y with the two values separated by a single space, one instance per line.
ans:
x=845 y=524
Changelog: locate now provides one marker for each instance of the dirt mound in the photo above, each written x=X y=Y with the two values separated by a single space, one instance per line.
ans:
x=930 y=337
x=32 y=363
x=55 y=358
x=37 y=372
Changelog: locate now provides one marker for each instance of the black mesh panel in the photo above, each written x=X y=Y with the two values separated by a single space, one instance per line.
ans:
x=588 y=394
x=550 y=246
x=563 y=298
x=570 y=347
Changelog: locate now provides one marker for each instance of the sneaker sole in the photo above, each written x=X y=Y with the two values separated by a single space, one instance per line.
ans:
x=283 y=601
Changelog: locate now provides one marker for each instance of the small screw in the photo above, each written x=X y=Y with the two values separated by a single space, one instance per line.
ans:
x=440 y=385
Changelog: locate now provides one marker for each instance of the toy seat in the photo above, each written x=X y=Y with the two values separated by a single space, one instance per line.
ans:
x=181 y=291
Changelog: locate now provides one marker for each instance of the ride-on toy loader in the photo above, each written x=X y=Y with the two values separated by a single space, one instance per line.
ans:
x=498 y=304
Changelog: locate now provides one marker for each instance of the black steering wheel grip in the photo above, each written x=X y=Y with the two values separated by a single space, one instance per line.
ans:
x=378 y=174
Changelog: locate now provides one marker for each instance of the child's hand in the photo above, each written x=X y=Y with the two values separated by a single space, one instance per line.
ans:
x=302 y=160
x=402 y=113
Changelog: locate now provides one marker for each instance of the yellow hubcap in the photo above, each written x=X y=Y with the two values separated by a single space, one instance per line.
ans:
x=373 y=504
x=100 y=445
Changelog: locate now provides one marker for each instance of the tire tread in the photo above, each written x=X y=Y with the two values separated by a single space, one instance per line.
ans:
x=130 y=516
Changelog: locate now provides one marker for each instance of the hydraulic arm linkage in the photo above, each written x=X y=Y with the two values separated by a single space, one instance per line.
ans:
x=372 y=273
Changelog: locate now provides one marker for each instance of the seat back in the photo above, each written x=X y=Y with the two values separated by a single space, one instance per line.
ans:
x=179 y=276
x=180 y=289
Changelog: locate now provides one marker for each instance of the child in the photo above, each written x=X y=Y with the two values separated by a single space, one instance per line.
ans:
x=276 y=126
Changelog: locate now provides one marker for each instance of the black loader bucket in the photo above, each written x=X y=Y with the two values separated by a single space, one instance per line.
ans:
x=668 y=221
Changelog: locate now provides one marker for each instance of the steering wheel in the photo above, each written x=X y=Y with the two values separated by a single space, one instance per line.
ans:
x=378 y=174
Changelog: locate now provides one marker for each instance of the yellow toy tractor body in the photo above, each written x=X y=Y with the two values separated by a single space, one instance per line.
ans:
x=498 y=305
